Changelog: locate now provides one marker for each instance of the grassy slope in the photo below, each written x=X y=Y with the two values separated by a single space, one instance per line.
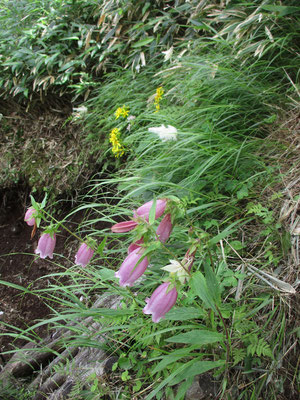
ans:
x=219 y=168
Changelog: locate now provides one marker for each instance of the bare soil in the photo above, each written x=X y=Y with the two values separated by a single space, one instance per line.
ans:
x=20 y=266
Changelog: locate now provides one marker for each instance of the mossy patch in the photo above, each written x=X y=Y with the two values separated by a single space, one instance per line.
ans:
x=49 y=152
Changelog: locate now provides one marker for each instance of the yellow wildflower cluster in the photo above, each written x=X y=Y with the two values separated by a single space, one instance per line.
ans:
x=117 y=147
x=122 y=111
x=158 y=97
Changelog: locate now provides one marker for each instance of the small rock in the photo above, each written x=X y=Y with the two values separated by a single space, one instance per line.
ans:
x=202 y=388
x=108 y=364
x=16 y=229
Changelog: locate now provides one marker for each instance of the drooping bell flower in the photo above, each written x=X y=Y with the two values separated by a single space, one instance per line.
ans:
x=83 y=255
x=135 y=245
x=161 y=301
x=164 y=229
x=29 y=219
x=129 y=271
x=144 y=210
x=125 y=226
x=46 y=245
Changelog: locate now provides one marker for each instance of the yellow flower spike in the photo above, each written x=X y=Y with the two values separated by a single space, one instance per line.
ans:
x=117 y=147
x=158 y=97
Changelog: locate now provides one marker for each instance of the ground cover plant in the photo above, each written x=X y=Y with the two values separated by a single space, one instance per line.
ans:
x=203 y=250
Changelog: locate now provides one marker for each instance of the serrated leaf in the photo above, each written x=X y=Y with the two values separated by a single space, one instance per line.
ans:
x=173 y=357
x=197 y=337
x=196 y=368
x=184 y=313
x=199 y=287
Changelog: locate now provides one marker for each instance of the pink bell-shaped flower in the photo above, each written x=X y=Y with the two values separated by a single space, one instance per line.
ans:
x=83 y=255
x=144 y=210
x=125 y=226
x=129 y=271
x=29 y=219
x=164 y=229
x=135 y=245
x=160 y=302
x=46 y=245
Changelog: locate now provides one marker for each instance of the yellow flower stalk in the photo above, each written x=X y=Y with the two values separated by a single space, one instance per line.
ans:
x=117 y=147
x=158 y=97
x=122 y=112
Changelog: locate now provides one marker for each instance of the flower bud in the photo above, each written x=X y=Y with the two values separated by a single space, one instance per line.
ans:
x=29 y=219
x=46 y=245
x=129 y=271
x=164 y=229
x=84 y=255
x=144 y=210
x=135 y=245
x=125 y=226
x=160 y=302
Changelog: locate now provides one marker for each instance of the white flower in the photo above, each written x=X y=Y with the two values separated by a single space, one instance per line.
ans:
x=177 y=269
x=165 y=133
x=79 y=112
x=168 y=53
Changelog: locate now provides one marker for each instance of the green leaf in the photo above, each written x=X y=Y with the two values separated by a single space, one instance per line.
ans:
x=226 y=232
x=203 y=207
x=137 y=386
x=243 y=192
x=101 y=246
x=143 y=42
x=165 y=382
x=281 y=10
x=212 y=283
x=237 y=245
x=183 y=388
x=184 y=313
x=125 y=376
x=152 y=212
x=199 y=287
x=34 y=203
x=196 y=368
x=15 y=286
x=197 y=337
x=44 y=201
x=106 y=274
x=173 y=357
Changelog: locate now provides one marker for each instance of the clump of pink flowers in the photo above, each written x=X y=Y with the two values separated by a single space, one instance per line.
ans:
x=47 y=240
x=135 y=264
x=139 y=251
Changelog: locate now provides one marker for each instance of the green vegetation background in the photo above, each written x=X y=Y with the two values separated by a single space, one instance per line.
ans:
x=229 y=71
